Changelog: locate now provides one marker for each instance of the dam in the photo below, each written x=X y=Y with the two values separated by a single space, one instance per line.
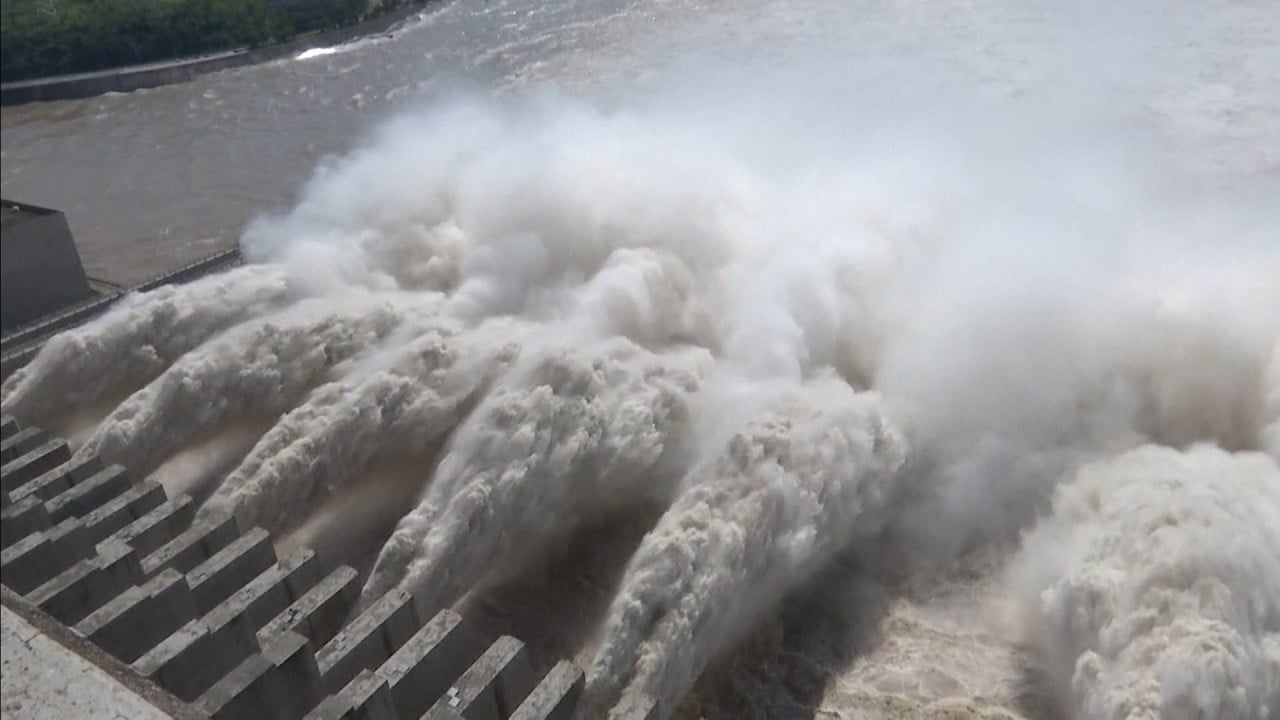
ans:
x=774 y=360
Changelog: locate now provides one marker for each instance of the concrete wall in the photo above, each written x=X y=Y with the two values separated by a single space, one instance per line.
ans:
x=40 y=271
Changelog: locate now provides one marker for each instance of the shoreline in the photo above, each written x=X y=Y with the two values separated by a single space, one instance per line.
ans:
x=169 y=72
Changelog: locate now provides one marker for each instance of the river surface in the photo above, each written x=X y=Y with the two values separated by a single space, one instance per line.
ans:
x=159 y=177
x=162 y=176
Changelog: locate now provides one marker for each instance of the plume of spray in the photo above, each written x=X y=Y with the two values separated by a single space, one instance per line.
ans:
x=409 y=395
x=1152 y=590
x=137 y=339
x=1089 y=345
x=789 y=491
x=575 y=434
x=264 y=366
x=565 y=434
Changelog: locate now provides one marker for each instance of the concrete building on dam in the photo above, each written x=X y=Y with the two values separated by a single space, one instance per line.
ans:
x=41 y=268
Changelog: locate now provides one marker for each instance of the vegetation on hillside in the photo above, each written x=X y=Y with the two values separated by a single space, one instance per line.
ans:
x=52 y=37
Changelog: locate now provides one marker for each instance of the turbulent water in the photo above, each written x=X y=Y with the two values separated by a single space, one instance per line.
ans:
x=817 y=360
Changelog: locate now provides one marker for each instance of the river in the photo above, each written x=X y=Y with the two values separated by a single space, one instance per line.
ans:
x=154 y=178
x=158 y=177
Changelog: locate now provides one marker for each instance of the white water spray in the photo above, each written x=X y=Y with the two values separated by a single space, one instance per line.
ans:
x=137 y=339
x=565 y=439
x=264 y=366
x=789 y=491
x=1153 y=589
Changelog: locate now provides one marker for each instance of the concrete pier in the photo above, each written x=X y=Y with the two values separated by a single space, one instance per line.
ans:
x=420 y=670
x=317 y=614
x=32 y=463
x=276 y=587
x=282 y=677
x=159 y=525
x=368 y=640
x=84 y=497
x=495 y=684
x=122 y=510
x=191 y=660
x=555 y=697
x=21 y=519
x=18 y=444
x=139 y=618
x=231 y=568
x=35 y=559
x=193 y=546
x=366 y=697
x=58 y=480
x=90 y=583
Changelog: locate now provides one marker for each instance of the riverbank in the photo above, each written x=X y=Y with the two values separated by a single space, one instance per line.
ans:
x=148 y=75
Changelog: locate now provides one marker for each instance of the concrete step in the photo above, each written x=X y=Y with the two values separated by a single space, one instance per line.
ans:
x=212 y=617
x=191 y=660
x=495 y=684
x=8 y=427
x=275 y=588
x=317 y=614
x=139 y=618
x=413 y=678
x=368 y=640
x=122 y=510
x=280 y=682
x=89 y=584
x=366 y=697
x=21 y=519
x=20 y=443
x=43 y=555
x=82 y=498
x=555 y=697
x=426 y=670
x=199 y=542
x=59 y=479
x=231 y=568
x=159 y=525
x=32 y=464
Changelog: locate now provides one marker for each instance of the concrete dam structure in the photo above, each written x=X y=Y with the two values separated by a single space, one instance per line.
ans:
x=206 y=620
x=42 y=273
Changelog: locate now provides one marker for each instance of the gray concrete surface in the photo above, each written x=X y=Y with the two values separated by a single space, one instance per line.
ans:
x=39 y=265
x=40 y=679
